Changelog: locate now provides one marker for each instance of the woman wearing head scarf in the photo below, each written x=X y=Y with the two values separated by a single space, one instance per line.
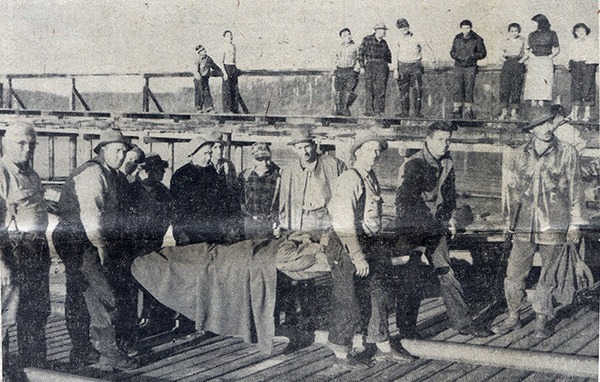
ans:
x=543 y=47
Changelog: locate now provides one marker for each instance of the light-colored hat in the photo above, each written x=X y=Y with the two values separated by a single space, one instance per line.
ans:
x=301 y=135
x=195 y=143
x=19 y=129
x=537 y=116
x=215 y=136
x=153 y=160
x=365 y=136
x=111 y=136
x=260 y=149
x=380 y=26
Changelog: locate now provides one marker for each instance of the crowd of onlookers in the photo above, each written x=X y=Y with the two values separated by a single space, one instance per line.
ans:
x=527 y=70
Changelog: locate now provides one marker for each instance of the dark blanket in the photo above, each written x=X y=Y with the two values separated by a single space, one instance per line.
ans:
x=225 y=289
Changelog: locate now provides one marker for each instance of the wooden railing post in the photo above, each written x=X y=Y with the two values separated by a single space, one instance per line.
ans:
x=145 y=96
x=9 y=100
x=51 y=157
x=1 y=95
x=72 y=100
x=72 y=152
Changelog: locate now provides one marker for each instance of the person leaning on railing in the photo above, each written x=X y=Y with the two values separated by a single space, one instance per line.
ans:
x=204 y=68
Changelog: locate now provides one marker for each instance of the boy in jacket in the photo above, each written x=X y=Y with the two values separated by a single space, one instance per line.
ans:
x=467 y=48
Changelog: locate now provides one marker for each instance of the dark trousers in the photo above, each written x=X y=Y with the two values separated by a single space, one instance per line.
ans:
x=408 y=293
x=358 y=302
x=451 y=291
x=202 y=97
x=511 y=82
x=583 y=83
x=376 y=76
x=464 y=84
x=33 y=275
x=410 y=87
x=231 y=90
x=345 y=82
x=77 y=317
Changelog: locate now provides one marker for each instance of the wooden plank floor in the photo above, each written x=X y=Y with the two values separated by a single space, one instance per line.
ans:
x=198 y=357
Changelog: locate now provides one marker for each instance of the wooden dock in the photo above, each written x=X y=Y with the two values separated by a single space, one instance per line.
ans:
x=204 y=357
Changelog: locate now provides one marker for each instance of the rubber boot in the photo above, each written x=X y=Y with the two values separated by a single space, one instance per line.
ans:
x=541 y=326
x=511 y=323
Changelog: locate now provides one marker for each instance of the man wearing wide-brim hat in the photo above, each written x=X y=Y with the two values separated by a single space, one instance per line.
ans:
x=199 y=194
x=375 y=58
x=84 y=239
x=306 y=186
x=356 y=212
x=545 y=191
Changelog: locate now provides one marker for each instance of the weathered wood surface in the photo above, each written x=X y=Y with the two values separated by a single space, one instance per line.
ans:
x=200 y=357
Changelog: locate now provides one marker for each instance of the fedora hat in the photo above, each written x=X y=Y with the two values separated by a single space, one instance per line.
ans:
x=215 y=136
x=111 y=136
x=153 y=160
x=537 y=116
x=365 y=136
x=380 y=26
x=301 y=135
x=195 y=143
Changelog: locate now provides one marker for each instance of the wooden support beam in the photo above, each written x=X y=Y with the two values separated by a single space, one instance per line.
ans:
x=51 y=157
x=155 y=100
x=72 y=152
x=145 y=100
x=555 y=363
x=75 y=95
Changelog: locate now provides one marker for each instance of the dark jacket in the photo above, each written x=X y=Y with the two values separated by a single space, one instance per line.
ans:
x=467 y=51
x=426 y=194
x=199 y=197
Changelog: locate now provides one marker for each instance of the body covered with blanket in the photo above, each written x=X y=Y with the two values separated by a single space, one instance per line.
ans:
x=229 y=289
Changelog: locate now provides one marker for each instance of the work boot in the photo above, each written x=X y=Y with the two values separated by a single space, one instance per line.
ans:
x=79 y=358
x=118 y=360
x=457 y=113
x=394 y=355
x=511 y=323
x=504 y=114
x=541 y=329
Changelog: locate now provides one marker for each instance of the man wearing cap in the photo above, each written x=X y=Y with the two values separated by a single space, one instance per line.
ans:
x=152 y=214
x=23 y=248
x=425 y=201
x=467 y=48
x=86 y=239
x=259 y=191
x=346 y=73
x=306 y=186
x=231 y=215
x=374 y=56
x=356 y=212
x=199 y=197
x=204 y=68
x=545 y=191
x=409 y=69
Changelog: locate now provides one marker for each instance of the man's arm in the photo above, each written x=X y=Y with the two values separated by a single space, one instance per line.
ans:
x=90 y=190
x=342 y=208
x=480 y=50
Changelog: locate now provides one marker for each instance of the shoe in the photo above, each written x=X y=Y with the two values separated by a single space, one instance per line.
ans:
x=456 y=114
x=541 y=329
x=503 y=115
x=508 y=325
x=476 y=331
x=410 y=334
x=394 y=355
x=469 y=114
x=81 y=358
x=350 y=362
x=514 y=115
x=119 y=361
